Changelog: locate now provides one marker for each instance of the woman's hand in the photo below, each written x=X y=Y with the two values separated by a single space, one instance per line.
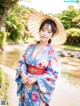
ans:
x=32 y=80
x=24 y=78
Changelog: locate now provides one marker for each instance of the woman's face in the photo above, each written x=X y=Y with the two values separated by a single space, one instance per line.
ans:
x=46 y=32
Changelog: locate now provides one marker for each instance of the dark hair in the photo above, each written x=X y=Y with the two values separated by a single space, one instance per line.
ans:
x=50 y=22
x=53 y=26
x=49 y=41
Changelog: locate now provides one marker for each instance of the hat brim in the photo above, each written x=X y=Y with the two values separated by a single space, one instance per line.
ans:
x=34 y=22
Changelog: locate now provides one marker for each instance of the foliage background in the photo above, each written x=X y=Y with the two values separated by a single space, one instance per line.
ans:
x=14 y=18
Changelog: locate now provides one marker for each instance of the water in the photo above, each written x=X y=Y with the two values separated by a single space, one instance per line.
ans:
x=67 y=92
x=10 y=59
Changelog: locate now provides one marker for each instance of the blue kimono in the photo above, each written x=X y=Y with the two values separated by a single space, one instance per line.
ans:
x=39 y=94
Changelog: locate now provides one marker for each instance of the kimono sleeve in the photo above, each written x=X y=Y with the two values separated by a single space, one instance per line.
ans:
x=22 y=67
x=46 y=82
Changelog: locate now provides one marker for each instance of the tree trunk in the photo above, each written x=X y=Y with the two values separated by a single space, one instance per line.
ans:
x=5 y=13
x=3 y=17
x=0 y=24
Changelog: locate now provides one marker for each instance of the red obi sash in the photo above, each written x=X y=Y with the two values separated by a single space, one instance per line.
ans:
x=35 y=70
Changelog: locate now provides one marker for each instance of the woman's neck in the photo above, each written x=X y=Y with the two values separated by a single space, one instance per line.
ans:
x=43 y=42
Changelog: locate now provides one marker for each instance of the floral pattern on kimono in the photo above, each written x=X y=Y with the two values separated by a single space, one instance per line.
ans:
x=41 y=90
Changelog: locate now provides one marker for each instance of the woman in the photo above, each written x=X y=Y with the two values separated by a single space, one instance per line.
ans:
x=37 y=70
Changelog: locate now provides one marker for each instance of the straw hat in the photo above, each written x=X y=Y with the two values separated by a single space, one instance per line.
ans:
x=34 y=22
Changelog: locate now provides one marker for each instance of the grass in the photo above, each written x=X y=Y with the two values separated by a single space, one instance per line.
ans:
x=4 y=83
x=70 y=47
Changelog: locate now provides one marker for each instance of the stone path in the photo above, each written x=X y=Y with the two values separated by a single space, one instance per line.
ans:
x=12 y=97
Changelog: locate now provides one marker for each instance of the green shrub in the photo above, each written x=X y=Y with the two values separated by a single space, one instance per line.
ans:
x=4 y=83
x=73 y=36
x=3 y=36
